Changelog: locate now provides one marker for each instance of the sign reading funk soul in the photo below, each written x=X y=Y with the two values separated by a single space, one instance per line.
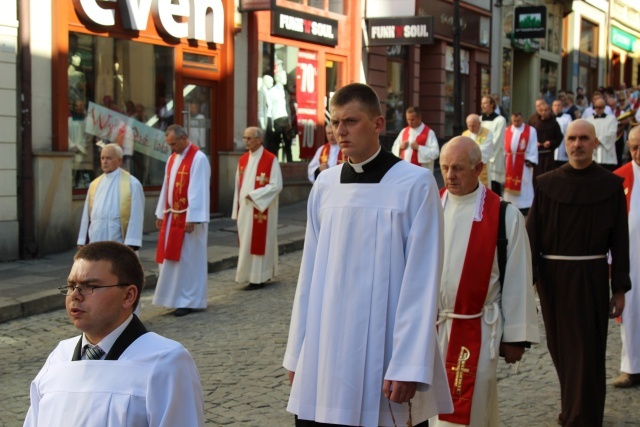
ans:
x=400 y=31
x=530 y=22
x=296 y=25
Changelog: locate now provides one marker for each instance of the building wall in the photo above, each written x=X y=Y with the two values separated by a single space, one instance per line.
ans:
x=9 y=242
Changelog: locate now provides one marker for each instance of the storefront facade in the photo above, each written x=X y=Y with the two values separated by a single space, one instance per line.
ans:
x=121 y=73
x=624 y=44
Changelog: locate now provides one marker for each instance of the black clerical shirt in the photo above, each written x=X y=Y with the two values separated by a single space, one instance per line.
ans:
x=373 y=171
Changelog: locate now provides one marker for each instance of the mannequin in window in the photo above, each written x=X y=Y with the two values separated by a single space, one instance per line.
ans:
x=80 y=144
x=77 y=83
x=264 y=102
x=197 y=127
x=280 y=115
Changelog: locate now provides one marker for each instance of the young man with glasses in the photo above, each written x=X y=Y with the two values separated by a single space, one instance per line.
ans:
x=116 y=370
x=606 y=126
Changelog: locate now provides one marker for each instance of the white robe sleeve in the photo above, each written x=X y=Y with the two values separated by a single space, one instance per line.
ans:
x=518 y=301
x=499 y=128
x=198 y=192
x=314 y=164
x=531 y=153
x=234 y=207
x=84 y=223
x=414 y=336
x=136 y=220
x=430 y=151
x=486 y=148
x=175 y=392
x=395 y=149
x=262 y=197
x=609 y=132
x=31 y=419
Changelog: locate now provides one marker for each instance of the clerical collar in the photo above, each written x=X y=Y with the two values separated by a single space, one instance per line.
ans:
x=358 y=167
x=108 y=341
x=599 y=116
x=490 y=116
x=373 y=169
x=257 y=153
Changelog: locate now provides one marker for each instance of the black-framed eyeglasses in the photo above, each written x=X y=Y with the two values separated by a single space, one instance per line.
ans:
x=85 y=290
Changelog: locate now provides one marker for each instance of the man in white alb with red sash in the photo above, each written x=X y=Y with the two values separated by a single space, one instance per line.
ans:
x=417 y=143
x=478 y=318
x=183 y=220
x=521 y=155
x=630 y=326
x=255 y=207
x=326 y=156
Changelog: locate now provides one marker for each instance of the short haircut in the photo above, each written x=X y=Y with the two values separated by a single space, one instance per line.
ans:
x=473 y=150
x=414 y=110
x=516 y=114
x=361 y=93
x=569 y=96
x=125 y=264
x=177 y=130
x=491 y=100
x=259 y=133
x=116 y=147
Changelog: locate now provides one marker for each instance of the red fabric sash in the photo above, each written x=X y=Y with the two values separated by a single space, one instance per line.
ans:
x=173 y=247
x=513 y=181
x=626 y=172
x=421 y=140
x=465 y=340
x=324 y=154
x=263 y=176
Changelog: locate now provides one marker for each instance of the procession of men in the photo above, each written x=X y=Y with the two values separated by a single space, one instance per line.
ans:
x=405 y=303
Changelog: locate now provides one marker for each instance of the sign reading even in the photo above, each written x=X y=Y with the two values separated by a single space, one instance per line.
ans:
x=204 y=18
x=303 y=26
x=530 y=22
x=307 y=100
x=400 y=31
x=622 y=39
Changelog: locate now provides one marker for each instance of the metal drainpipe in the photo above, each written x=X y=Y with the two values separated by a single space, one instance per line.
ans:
x=28 y=245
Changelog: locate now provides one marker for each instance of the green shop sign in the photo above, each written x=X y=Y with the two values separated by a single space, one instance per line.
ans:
x=622 y=39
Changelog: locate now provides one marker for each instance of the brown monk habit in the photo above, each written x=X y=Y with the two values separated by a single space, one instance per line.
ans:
x=547 y=130
x=579 y=213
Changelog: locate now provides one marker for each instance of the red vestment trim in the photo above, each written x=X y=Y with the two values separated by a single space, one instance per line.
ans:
x=263 y=177
x=174 y=241
x=626 y=172
x=513 y=181
x=324 y=154
x=465 y=339
x=421 y=140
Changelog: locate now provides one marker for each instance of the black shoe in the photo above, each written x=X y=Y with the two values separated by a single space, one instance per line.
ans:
x=182 y=312
x=254 y=286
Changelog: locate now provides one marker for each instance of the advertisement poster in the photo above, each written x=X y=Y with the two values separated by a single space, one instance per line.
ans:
x=307 y=102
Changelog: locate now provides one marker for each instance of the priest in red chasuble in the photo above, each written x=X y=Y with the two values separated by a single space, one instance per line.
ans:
x=255 y=207
x=479 y=318
x=326 y=156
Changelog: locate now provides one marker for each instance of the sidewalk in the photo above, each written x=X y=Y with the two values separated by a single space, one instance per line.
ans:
x=29 y=287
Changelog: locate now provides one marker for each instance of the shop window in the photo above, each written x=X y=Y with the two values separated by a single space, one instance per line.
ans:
x=333 y=70
x=396 y=85
x=336 y=6
x=551 y=43
x=548 y=80
x=588 y=37
x=119 y=92
x=507 y=60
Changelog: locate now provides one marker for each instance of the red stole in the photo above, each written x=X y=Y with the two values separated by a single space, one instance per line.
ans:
x=465 y=340
x=324 y=154
x=626 y=172
x=421 y=140
x=513 y=181
x=263 y=175
x=173 y=247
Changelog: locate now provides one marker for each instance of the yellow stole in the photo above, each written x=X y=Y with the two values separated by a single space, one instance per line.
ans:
x=125 y=199
x=481 y=136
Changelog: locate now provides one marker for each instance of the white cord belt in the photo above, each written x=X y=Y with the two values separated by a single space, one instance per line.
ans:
x=573 y=258
x=492 y=310
x=175 y=211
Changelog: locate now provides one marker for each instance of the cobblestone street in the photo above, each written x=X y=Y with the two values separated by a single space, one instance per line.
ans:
x=238 y=345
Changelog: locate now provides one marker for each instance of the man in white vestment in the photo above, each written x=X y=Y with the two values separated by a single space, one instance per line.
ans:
x=116 y=373
x=255 y=207
x=606 y=131
x=471 y=295
x=484 y=138
x=630 y=325
x=521 y=155
x=183 y=221
x=327 y=156
x=363 y=341
x=497 y=125
x=417 y=143
x=114 y=207
x=563 y=119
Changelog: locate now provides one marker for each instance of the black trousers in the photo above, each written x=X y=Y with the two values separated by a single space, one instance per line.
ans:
x=307 y=423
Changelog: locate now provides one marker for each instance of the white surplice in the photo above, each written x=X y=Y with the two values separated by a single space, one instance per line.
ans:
x=560 y=153
x=515 y=319
x=606 y=132
x=630 y=326
x=183 y=284
x=257 y=268
x=105 y=213
x=525 y=198
x=155 y=382
x=366 y=300
x=332 y=160
x=427 y=154
x=497 y=128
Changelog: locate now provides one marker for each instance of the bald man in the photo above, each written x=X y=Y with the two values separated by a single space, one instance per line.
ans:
x=479 y=317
